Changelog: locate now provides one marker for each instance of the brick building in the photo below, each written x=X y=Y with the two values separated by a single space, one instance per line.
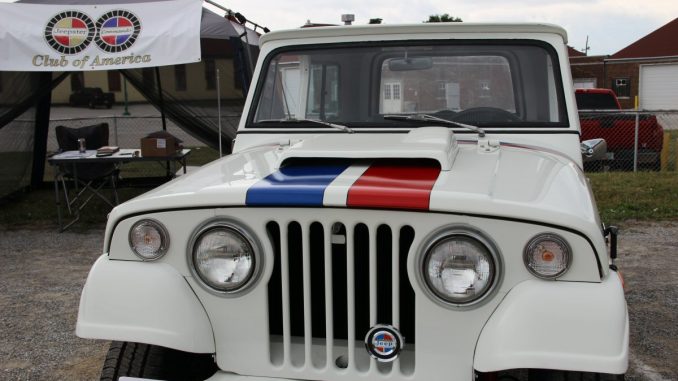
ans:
x=647 y=69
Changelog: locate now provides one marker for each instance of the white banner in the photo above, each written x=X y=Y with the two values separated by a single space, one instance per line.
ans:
x=38 y=37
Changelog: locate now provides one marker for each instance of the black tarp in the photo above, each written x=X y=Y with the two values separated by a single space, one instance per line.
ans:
x=25 y=99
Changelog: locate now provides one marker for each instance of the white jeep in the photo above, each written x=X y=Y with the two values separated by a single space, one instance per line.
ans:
x=402 y=203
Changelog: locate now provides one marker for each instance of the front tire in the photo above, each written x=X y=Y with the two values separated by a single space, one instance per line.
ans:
x=151 y=361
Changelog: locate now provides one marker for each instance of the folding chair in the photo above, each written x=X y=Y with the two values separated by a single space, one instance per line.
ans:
x=88 y=179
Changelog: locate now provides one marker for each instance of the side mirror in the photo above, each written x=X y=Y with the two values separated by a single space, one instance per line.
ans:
x=613 y=232
x=594 y=150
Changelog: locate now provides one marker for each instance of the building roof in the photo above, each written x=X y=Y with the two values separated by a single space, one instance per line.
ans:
x=660 y=43
x=572 y=52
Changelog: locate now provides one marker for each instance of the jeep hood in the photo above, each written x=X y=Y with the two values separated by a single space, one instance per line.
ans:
x=466 y=177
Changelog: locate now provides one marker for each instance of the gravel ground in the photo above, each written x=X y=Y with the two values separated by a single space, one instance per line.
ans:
x=42 y=273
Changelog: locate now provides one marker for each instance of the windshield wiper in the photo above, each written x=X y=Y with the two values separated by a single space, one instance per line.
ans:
x=315 y=121
x=431 y=118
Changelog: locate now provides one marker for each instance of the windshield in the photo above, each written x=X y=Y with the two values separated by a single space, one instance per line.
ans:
x=596 y=101
x=487 y=85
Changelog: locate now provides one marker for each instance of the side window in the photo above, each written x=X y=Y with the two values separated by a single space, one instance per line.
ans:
x=622 y=87
x=114 y=80
x=77 y=81
x=323 y=92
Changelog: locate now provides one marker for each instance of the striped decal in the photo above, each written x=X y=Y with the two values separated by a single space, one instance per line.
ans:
x=302 y=185
x=336 y=193
x=391 y=186
x=401 y=185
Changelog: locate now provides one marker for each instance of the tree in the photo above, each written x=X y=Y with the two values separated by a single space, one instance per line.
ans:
x=445 y=17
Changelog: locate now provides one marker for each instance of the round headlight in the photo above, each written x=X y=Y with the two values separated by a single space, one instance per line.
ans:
x=223 y=258
x=148 y=239
x=547 y=256
x=459 y=269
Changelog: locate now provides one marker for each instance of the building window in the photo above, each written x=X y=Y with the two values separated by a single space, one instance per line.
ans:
x=585 y=83
x=114 y=81
x=180 y=77
x=148 y=77
x=622 y=87
x=210 y=74
x=396 y=91
x=77 y=81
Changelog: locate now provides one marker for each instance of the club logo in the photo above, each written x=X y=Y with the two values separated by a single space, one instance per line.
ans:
x=384 y=342
x=117 y=30
x=70 y=32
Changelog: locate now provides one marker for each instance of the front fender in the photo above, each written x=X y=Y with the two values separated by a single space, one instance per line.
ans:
x=142 y=302
x=558 y=325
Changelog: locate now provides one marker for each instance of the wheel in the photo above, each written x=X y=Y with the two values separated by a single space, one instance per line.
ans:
x=558 y=375
x=91 y=104
x=151 y=361
x=485 y=114
x=108 y=105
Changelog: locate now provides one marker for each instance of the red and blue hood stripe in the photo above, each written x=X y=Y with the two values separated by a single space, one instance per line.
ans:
x=381 y=184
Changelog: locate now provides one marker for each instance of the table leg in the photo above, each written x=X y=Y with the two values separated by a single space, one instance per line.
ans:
x=57 y=198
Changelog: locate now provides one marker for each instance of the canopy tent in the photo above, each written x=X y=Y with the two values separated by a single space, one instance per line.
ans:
x=25 y=97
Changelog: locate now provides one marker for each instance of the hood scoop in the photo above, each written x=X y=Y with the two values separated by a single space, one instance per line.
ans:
x=435 y=143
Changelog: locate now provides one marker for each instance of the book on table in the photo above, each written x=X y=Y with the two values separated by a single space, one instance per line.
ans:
x=107 y=150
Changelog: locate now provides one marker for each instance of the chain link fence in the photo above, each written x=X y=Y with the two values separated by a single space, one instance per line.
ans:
x=636 y=140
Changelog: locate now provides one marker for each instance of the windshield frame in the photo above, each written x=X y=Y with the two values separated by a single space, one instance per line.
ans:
x=523 y=126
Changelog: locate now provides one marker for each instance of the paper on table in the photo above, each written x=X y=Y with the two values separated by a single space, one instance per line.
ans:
x=74 y=154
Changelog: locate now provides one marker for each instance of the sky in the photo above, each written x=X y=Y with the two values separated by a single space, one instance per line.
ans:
x=610 y=25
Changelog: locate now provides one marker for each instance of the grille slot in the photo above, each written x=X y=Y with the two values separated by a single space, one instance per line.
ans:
x=330 y=284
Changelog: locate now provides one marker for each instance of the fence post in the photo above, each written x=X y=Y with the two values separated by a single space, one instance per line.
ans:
x=664 y=155
x=635 y=143
x=115 y=130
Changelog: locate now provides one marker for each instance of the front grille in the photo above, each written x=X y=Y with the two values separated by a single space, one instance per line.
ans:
x=330 y=284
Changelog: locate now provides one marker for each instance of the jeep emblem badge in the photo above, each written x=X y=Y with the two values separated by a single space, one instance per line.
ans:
x=384 y=342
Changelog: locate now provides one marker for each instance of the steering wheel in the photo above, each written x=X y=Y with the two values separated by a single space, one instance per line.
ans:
x=445 y=114
x=486 y=114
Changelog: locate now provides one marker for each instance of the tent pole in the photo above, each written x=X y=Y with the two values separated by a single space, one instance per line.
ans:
x=162 y=115
x=42 y=110
x=160 y=100
x=219 y=112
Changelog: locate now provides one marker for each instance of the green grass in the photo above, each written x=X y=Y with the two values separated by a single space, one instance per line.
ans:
x=37 y=209
x=641 y=195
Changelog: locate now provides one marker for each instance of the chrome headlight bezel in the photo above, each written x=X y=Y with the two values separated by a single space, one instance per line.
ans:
x=547 y=237
x=164 y=239
x=467 y=232
x=245 y=233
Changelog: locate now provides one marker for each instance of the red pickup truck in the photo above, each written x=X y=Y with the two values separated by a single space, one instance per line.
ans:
x=618 y=129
